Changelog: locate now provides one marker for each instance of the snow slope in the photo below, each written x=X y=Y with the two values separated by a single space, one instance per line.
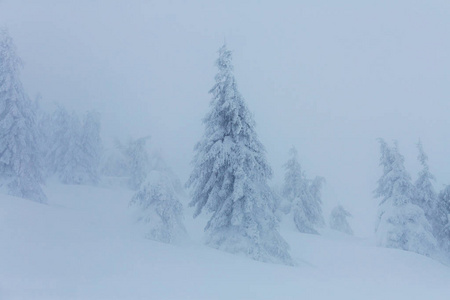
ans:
x=84 y=244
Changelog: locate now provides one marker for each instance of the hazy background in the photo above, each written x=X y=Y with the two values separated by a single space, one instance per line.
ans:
x=324 y=76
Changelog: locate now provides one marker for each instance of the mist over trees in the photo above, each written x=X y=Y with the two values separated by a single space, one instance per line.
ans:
x=338 y=220
x=303 y=196
x=136 y=160
x=75 y=148
x=229 y=182
x=20 y=165
x=36 y=144
x=157 y=190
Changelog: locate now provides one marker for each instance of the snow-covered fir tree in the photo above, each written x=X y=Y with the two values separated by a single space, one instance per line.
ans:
x=294 y=179
x=133 y=160
x=230 y=176
x=303 y=195
x=60 y=133
x=158 y=192
x=44 y=130
x=425 y=195
x=70 y=168
x=400 y=224
x=315 y=207
x=157 y=163
x=160 y=208
x=74 y=154
x=20 y=166
x=114 y=162
x=338 y=220
x=443 y=234
x=91 y=146
x=137 y=160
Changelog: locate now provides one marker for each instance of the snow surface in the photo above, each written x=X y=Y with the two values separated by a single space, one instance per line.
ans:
x=85 y=244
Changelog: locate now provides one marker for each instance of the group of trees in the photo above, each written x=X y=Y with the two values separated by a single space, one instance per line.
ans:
x=303 y=201
x=71 y=149
x=35 y=144
x=156 y=188
x=20 y=165
x=411 y=217
x=303 y=196
x=229 y=178
x=230 y=175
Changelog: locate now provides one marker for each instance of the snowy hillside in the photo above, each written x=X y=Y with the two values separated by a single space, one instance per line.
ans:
x=84 y=244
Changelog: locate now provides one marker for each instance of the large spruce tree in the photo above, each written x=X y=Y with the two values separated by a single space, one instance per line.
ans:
x=20 y=166
x=230 y=176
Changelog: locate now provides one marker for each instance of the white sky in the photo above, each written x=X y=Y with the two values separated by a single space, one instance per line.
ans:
x=324 y=76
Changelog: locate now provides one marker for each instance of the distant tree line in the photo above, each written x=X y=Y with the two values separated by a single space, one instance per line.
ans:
x=35 y=144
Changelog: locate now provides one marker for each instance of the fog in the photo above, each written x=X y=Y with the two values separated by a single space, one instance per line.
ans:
x=327 y=77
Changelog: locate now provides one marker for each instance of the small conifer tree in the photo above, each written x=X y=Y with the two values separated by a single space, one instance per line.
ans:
x=303 y=196
x=338 y=220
